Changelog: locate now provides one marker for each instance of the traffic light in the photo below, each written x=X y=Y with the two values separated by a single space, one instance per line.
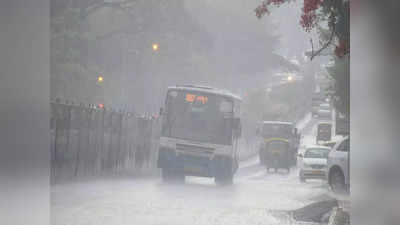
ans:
x=100 y=79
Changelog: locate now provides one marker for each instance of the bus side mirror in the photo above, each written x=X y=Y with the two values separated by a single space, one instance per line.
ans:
x=161 y=111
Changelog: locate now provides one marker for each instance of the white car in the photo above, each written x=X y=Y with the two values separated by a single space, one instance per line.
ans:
x=338 y=166
x=313 y=163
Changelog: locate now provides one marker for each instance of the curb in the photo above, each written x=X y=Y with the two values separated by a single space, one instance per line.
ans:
x=339 y=217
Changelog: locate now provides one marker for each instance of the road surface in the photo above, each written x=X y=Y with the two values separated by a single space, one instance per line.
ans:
x=257 y=197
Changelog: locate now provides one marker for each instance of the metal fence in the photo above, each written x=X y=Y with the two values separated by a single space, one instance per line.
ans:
x=86 y=140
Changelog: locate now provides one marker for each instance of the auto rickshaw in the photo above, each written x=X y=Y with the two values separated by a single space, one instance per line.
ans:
x=279 y=130
x=277 y=154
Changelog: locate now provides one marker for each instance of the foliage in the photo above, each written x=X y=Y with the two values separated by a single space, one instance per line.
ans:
x=331 y=19
x=113 y=39
x=333 y=13
x=283 y=102
x=340 y=90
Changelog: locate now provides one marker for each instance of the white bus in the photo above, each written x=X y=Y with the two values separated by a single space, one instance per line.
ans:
x=199 y=135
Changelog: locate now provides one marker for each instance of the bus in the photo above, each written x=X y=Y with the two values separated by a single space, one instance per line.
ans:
x=199 y=134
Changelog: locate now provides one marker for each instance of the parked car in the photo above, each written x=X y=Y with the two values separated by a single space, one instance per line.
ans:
x=314 y=111
x=324 y=132
x=329 y=144
x=324 y=114
x=313 y=163
x=338 y=165
x=317 y=99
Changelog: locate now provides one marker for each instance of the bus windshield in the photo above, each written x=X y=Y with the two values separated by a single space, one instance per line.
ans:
x=198 y=116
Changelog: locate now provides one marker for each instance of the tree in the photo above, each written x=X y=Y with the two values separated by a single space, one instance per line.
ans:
x=340 y=90
x=331 y=19
x=335 y=14
x=114 y=39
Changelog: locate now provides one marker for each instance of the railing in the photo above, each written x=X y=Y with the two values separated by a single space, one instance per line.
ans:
x=86 y=140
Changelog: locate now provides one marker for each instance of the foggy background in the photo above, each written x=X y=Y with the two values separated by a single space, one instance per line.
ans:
x=214 y=43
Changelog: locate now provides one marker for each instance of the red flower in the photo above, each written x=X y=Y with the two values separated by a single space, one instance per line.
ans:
x=275 y=2
x=311 y=5
x=308 y=21
x=261 y=10
x=342 y=49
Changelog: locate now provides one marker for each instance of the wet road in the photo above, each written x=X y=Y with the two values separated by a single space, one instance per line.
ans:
x=257 y=197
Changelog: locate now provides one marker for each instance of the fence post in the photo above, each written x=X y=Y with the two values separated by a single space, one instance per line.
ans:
x=54 y=128
x=96 y=144
x=120 y=116
x=108 y=160
x=88 y=147
x=56 y=131
x=102 y=140
x=67 y=125
x=79 y=118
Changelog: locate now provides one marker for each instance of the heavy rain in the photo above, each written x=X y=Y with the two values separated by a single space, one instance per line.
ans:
x=199 y=112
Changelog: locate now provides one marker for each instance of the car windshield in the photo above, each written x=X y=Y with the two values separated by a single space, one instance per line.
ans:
x=320 y=153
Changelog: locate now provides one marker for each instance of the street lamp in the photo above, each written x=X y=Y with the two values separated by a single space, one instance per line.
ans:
x=155 y=47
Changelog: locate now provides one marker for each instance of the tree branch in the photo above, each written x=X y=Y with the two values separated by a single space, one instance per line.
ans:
x=313 y=54
x=96 y=5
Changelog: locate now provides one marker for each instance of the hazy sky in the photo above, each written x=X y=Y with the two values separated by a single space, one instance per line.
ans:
x=283 y=21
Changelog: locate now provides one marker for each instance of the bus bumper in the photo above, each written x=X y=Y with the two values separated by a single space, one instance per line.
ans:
x=194 y=165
